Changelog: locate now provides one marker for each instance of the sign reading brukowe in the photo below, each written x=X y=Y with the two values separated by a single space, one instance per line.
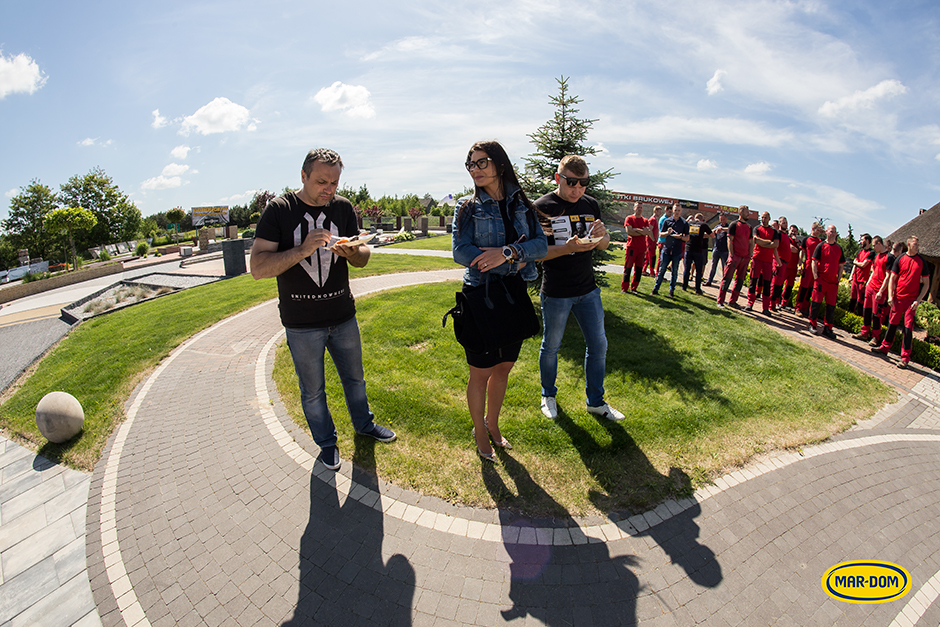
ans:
x=201 y=214
x=688 y=205
x=866 y=581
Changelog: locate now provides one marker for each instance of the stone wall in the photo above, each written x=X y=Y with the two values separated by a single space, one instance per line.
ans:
x=21 y=290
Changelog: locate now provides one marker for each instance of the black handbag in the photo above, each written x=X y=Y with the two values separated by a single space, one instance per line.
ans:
x=493 y=315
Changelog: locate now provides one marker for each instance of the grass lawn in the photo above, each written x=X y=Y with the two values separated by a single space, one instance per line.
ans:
x=703 y=389
x=438 y=242
x=102 y=360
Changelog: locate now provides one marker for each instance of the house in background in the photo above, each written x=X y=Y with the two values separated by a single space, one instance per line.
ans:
x=926 y=227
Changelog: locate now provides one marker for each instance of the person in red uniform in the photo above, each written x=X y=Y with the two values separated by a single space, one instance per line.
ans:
x=637 y=230
x=794 y=268
x=876 y=293
x=766 y=243
x=908 y=283
x=826 y=268
x=806 y=259
x=861 y=271
x=782 y=269
x=740 y=246
x=651 y=240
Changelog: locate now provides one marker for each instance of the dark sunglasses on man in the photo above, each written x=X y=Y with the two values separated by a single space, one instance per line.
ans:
x=573 y=181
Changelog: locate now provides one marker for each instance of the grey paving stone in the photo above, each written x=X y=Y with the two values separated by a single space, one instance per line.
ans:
x=69 y=603
x=29 y=587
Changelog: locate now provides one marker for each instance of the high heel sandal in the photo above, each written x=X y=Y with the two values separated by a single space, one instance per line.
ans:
x=489 y=458
x=503 y=444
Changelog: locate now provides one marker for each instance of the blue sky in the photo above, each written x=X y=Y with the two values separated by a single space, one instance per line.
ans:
x=801 y=108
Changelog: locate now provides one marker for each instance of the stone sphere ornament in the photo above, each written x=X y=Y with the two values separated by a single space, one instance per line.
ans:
x=59 y=416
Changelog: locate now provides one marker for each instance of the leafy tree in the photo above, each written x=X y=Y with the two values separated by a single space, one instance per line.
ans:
x=565 y=134
x=175 y=216
x=8 y=253
x=118 y=219
x=240 y=215
x=24 y=221
x=261 y=200
x=72 y=220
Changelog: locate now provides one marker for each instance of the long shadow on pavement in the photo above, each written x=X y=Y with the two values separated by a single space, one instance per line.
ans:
x=677 y=536
x=343 y=578
x=559 y=585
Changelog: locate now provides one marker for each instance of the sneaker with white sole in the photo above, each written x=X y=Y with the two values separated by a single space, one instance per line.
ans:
x=606 y=411
x=549 y=407
x=329 y=457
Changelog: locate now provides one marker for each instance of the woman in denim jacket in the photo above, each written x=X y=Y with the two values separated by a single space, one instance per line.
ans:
x=495 y=230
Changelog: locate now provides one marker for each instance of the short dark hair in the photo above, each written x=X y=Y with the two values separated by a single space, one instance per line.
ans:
x=323 y=155
x=574 y=164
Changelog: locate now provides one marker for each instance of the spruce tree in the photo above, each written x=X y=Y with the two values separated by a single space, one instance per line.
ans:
x=565 y=134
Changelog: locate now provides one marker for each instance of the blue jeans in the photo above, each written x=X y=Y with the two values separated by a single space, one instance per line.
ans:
x=668 y=259
x=306 y=349
x=589 y=312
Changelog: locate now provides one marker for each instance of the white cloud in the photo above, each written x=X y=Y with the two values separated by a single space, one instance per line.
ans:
x=713 y=86
x=679 y=129
x=180 y=152
x=19 y=74
x=175 y=169
x=219 y=116
x=162 y=182
x=240 y=198
x=863 y=99
x=11 y=193
x=351 y=99
x=706 y=164
x=758 y=168
x=158 y=120
x=91 y=141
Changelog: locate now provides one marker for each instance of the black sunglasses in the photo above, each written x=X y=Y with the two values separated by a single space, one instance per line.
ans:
x=573 y=181
x=480 y=164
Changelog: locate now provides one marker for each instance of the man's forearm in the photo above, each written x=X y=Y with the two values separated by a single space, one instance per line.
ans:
x=269 y=264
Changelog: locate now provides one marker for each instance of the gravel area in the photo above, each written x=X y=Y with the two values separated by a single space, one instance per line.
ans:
x=79 y=310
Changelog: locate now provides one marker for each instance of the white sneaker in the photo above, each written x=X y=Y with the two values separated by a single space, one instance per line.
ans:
x=606 y=411
x=549 y=407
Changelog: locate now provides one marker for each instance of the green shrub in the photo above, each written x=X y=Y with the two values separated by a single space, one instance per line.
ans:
x=404 y=236
x=926 y=314
x=104 y=256
x=845 y=294
x=248 y=233
x=142 y=249
x=35 y=276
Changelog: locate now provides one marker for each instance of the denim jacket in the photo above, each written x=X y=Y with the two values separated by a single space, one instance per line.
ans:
x=483 y=227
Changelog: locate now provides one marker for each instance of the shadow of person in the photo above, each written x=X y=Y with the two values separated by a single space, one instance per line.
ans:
x=678 y=538
x=343 y=578
x=558 y=585
x=678 y=535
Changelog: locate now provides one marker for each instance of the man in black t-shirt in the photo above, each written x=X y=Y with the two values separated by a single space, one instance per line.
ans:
x=572 y=222
x=300 y=240
x=699 y=234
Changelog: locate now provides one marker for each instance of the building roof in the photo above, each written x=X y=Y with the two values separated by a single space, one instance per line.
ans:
x=926 y=227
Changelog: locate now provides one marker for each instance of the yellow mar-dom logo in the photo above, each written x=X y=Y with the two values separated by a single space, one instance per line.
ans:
x=866 y=581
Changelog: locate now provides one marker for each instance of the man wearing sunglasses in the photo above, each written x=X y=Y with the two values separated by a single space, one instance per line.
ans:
x=572 y=221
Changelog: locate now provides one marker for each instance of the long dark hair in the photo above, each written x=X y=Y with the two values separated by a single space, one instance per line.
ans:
x=507 y=174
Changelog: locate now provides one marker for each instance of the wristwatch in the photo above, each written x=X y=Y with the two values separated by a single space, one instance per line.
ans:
x=509 y=253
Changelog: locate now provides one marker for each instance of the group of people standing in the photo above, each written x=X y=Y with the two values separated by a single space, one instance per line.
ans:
x=887 y=280
x=308 y=239
x=498 y=231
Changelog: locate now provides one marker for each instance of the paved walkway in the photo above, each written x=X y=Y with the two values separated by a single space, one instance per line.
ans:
x=206 y=508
